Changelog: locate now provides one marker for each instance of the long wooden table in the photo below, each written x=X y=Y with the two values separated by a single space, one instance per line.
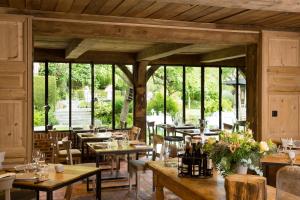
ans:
x=191 y=189
x=271 y=164
x=71 y=174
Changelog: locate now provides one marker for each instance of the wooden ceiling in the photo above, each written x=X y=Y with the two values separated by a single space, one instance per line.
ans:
x=255 y=15
x=165 y=9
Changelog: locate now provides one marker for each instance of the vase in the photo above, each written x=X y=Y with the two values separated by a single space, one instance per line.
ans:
x=241 y=168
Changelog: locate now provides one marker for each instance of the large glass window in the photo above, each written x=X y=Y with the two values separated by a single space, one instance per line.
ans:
x=155 y=97
x=174 y=76
x=192 y=95
x=58 y=95
x=123 y=97
x=103 y=95
x=39 y=96
x=81 y=95
x=211 y=97
x=228 y=95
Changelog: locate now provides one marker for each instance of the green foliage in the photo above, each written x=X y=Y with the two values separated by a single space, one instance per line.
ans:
x=39 y=118
x=157 y=104
x=103 y=76
x=103 y=112
x=81 y=75
x=39 y=92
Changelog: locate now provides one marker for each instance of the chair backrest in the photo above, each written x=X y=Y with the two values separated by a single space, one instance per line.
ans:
x=151 y=129
x=287 y=183
x=55 y=149
x=170 y=129
x=158 y=146
x=68 y=146
x=134 y=133
x=227 y=126
x=6 y=185
x=238 y=125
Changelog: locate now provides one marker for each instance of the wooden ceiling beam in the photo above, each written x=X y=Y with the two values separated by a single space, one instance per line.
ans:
x=161 y=50
x=77 y=47
x=224 y=54
x=147 y=34
x=271 y=5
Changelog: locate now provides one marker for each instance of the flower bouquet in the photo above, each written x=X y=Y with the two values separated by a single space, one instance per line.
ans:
x=237 y=149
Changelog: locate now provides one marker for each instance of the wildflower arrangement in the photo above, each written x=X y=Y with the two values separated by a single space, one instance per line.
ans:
x=237 y=148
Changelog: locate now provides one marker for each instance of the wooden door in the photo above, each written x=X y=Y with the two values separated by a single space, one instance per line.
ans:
x=283 y=116
x=15 y=87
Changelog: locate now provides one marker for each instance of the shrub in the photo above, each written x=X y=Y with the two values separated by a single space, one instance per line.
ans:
x=157 y=104
x=39 y=92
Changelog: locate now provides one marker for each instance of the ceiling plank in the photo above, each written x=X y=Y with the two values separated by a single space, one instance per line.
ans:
x=279 y=5
x=109 y=6
x=161 y=51
x=64 y=5
x=170 y=10
x=139 y=7
x=224 y=54
x=124 y=7
x=151 y=9
x=78 y=47
x=21 y=4
x=94 y=6
x=79 y=6
x=48 y=5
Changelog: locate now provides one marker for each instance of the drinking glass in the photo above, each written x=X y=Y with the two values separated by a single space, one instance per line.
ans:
x=36 y=155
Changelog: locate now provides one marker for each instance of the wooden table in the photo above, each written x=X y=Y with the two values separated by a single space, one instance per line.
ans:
x=189 y=188
x=194 y=132
x=130 y=149
x=85 y=137
x=71 y=174
x=164 y=126
x=276 y=160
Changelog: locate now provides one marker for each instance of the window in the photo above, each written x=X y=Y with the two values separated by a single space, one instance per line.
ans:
x=184 y=94
x=79 y=94
x=39 y=96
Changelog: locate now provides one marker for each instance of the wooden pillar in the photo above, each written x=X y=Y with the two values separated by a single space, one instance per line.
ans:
x=252 y=89
x=140 y=97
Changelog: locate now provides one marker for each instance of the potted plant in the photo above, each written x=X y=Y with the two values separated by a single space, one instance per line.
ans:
x=237 y=151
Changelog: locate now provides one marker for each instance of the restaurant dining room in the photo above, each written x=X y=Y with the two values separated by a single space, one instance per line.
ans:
x=149 y=99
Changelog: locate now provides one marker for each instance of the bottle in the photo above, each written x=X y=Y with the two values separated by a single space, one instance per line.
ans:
x=186 y=159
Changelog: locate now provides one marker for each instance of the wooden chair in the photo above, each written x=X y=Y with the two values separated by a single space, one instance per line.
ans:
x=60 y=155
x=134 y=133
x=151 y=131
x=227 y=126
x=123 y=125
x=6 y=185
x=68 y=147
x=238 y=125
x=287 y=183
x=138 y=166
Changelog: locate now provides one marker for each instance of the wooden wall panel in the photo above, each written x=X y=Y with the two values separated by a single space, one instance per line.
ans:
x=15 y=87
x=283 y=122
x=283 y=52
x=280 y=85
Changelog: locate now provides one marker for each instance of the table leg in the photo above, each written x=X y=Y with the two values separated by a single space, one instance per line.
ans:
x=37 y=194
x=82 y=151
x=50 y=195
x=159 y=188
x=98 y=185
x=97 y=160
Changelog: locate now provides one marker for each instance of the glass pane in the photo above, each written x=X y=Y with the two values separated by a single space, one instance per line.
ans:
x=39 y=96
x=103 y=95
x=211 y=97
x=242 y=96
x=58 y=95
x=81 y=95
x=155 y=97
x=228 y=96
x=174 y=94
x=123 y=99
x=192 y=95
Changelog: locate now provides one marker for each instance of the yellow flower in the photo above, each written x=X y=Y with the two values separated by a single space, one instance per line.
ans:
x=263 y=146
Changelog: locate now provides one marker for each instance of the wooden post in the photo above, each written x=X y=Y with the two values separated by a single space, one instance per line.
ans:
x=245 y=187
x=252 y=88
x=140 y=97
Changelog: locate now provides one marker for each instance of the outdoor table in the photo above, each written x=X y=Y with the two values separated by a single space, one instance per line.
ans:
x=91 y=137
x=191 y=188
x=71 y=174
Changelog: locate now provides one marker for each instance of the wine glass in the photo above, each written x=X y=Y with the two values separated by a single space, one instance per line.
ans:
x=36 y=155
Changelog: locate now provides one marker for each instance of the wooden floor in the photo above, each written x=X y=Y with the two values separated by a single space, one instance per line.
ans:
x=119 y=193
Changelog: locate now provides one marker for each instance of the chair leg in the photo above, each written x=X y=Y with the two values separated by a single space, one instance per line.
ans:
x=7 y=194
x=130 y=177
x=138 y=176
